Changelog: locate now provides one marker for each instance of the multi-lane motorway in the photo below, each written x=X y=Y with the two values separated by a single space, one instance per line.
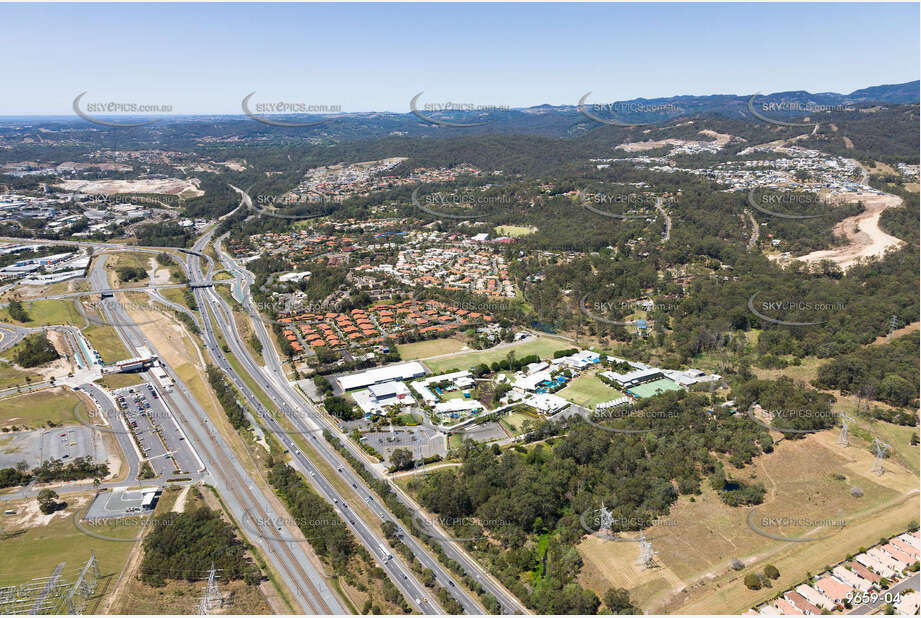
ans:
x=309 y=421
x=244 y=495
x=404 y=578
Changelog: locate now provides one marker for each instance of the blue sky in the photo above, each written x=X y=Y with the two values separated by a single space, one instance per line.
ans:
x=204 y=58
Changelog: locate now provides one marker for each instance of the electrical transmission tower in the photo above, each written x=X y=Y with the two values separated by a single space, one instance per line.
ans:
x=893 y=324
x=210 y=595
x=84 y=587
x=606 y=520
x=845 y=421
x=647 y=555
x=881 y=449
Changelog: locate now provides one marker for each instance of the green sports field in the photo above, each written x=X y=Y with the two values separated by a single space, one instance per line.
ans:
x=588 y=390
x=432 y=347
x=543 y=347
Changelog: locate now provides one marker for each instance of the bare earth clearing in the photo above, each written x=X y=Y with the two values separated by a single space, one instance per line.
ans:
x=169 y=186
x=160 y=275
x=865 y=238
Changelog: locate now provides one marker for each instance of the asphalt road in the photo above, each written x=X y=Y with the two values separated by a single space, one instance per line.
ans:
x=415 y=592
x=11 y=335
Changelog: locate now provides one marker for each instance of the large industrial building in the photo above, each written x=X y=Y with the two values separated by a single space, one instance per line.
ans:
x=403 y=371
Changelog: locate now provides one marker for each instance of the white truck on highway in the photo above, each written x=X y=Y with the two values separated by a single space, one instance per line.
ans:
x=385 y=555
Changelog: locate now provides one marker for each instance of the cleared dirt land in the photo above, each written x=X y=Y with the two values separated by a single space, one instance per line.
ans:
x=721 y=139
x=805 y=479
x=168 y=186
x=515 y=231
x=864 y=236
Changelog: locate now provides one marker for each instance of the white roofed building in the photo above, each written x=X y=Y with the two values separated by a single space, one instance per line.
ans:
x=633 y=378
x=458 y=406
x=402 y=371
x=547 y=403
x=531 y=382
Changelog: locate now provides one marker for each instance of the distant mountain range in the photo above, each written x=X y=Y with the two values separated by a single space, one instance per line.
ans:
x=909 y=92
x=543 y=120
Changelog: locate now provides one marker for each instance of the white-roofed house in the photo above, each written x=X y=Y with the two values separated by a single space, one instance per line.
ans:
x=531 y=368
x=898 y=555
x=815 y=597
x=872 y=563
x=911 y=540
x=885 y=559
x=851 y=579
